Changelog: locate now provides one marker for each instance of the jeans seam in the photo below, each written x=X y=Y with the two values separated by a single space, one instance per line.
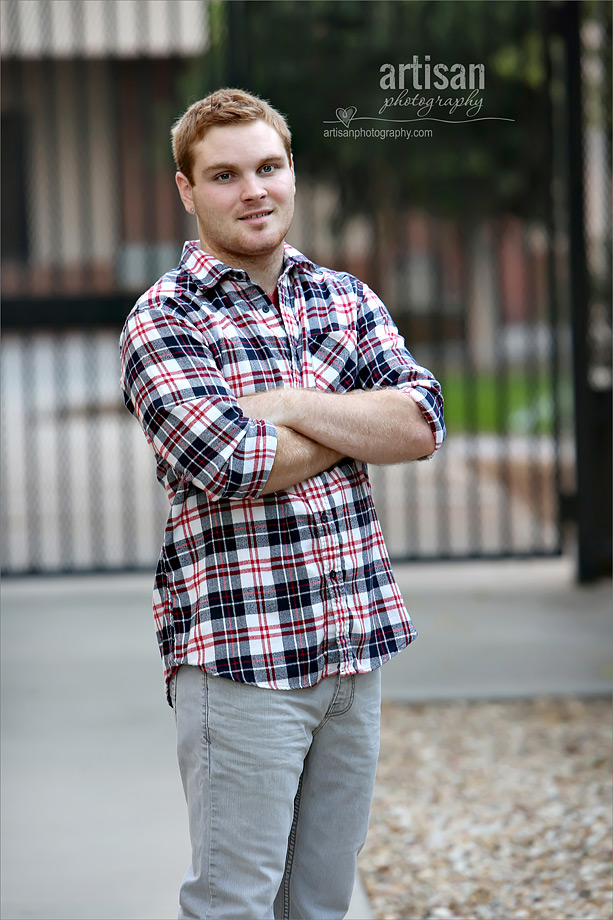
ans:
x=330 y=714
x=291 y=849
x=350 y=703
x=206 y=751
x=205 y=707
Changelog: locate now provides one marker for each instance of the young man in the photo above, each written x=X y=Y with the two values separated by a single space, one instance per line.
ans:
x=265 y=384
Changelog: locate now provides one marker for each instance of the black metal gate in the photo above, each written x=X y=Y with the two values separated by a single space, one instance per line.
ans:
x=482 y=304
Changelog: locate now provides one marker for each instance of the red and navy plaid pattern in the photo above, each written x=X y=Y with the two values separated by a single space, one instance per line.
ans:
x=278 y=590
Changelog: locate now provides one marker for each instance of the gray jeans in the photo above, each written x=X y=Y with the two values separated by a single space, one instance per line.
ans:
x=278 y=786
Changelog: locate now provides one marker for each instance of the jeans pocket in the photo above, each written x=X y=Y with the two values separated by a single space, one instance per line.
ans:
x=172 y=693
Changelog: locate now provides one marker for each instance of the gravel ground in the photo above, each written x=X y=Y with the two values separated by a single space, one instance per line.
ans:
x=496 y=810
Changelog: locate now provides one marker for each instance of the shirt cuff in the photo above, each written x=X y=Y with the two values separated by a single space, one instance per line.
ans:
x=429 y=403
x=251 y=462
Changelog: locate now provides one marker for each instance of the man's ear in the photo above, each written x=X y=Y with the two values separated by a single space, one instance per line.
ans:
x=185 y=191
x=291 y=166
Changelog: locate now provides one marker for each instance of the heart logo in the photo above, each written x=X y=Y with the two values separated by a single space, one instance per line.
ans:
x=345 y=115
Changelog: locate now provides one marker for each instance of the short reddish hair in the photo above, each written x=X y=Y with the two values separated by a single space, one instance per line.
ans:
x=223 y=107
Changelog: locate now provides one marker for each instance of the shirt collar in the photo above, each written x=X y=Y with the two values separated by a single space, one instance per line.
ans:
x=208 y=270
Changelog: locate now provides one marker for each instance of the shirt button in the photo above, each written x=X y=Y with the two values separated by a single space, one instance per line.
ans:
x=266 y=308
x=332 y=574
x=324 y=517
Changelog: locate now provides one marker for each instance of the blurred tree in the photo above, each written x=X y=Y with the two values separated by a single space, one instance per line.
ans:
x=311 y=58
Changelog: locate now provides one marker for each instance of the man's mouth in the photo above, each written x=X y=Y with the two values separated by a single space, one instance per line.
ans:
x=255 y=215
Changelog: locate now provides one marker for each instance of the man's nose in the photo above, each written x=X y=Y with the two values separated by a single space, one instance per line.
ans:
x=252 y=188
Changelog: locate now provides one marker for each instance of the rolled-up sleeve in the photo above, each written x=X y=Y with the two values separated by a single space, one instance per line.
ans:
x=385 y=361
x=190 y=417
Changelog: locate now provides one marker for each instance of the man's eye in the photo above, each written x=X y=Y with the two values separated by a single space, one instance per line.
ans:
x=223 y=176
x=269 y=168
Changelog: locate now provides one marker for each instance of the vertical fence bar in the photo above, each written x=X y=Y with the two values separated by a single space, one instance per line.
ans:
x=470 y=413
x=403 y=229
x=551 y=435
x=536 y=424
x=502 y=439
x=29 y=384
x=145 y=86
x=437 y=336
x=127 y=535
x=82 y=72
x=63 y=484
x=593 y=481
x=93 y=495
x=7 y=536
x=15 y=91
x=55 y=228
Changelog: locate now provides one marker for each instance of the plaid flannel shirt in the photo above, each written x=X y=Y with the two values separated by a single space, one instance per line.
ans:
x=278 y=590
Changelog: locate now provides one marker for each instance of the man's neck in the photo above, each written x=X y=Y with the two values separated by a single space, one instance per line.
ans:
x=266 y=274
x=263 y=270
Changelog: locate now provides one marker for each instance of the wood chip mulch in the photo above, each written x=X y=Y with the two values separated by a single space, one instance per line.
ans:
x=496 y=810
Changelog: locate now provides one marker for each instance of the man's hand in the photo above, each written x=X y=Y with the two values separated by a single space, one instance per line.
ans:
x=297 y=459
x=374 y=426
x=273 y=405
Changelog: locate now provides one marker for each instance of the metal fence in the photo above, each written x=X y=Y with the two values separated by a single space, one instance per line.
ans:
x=79 y=491
x=90 y=225
x=78 y=478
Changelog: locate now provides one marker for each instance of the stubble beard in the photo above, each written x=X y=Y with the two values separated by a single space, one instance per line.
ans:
x=228 y=246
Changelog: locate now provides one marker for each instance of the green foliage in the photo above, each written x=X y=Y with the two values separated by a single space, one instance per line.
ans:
x=518 y=401
x=310 y=58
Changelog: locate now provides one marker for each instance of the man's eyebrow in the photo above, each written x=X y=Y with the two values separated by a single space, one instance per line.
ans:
x=215 y=167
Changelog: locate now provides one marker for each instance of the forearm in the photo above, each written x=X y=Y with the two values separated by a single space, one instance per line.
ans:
x=297 y=458
x=375 y=426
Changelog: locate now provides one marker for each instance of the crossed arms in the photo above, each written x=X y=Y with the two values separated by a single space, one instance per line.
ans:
x=316 y=429
x=182 y=388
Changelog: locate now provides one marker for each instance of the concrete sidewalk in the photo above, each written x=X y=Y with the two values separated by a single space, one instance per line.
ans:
x=503 y=629
x=93 y=817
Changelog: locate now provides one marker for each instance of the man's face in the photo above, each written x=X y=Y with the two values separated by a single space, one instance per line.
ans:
x=243 y=191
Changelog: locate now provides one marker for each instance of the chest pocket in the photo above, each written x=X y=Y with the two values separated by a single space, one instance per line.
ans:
x=249 y=363
x=331 y=360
